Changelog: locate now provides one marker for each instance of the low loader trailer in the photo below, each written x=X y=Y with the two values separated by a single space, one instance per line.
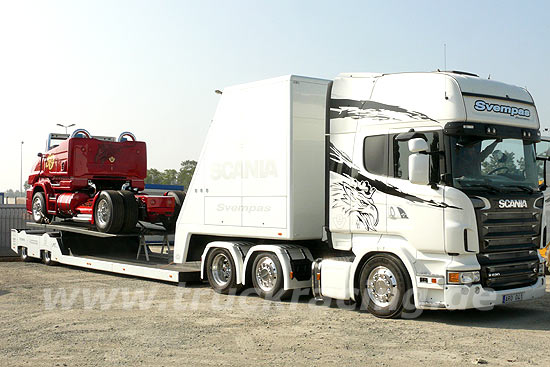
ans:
x=81 y=245
x=399 y=192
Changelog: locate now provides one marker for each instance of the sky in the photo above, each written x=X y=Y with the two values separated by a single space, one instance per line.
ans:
x=151 y=67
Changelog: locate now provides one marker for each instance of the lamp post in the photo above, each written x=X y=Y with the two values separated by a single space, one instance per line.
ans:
x=21 y=170
x=65 y=126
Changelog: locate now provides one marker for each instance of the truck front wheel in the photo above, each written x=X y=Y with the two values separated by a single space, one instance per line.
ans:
x=39 y=210
x=385 y=287
x=221 y=271
x=109 y=212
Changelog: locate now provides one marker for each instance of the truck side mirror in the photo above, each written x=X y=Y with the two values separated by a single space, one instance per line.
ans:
x=419 y=162
x=39 y=155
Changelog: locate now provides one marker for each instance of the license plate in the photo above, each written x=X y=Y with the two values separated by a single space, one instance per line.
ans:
x=514 y=297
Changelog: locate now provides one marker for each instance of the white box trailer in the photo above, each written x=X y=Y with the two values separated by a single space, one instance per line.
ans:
x=398 y=191
x=262 y=167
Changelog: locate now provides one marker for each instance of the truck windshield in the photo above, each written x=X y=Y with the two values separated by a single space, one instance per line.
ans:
x=493 y=164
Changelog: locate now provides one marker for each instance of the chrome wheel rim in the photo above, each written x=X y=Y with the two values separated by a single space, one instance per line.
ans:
x=381 y=286
x=103 y=214
x=221 y=270
x=266 y=274
x=37 y=209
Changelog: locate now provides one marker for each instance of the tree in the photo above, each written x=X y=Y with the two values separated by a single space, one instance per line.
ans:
x=171 y=176
x=154 y=176
x=187 y=168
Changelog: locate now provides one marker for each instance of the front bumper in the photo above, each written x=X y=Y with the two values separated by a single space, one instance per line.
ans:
x=462 y=297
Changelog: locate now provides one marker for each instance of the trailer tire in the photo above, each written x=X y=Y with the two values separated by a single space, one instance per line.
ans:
x=389 y=294
x=170 y=223
x=131 y=211
x=267 y=277
x=221 y=271
x=24 y=254
x=109 y=212
x=47 y=258
x=39 y=209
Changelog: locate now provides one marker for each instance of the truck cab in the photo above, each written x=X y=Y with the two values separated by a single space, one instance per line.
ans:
x=543 y=155
x=463 y=210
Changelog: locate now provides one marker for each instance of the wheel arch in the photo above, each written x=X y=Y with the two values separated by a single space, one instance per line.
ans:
x=395 y=252
x=283 y=253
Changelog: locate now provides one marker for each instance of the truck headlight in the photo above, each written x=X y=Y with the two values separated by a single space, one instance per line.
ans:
x=463 y=277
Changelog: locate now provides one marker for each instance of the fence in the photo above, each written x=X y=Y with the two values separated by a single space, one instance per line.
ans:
x=11 y=216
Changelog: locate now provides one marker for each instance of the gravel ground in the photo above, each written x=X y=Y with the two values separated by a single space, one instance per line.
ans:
x=171 y=325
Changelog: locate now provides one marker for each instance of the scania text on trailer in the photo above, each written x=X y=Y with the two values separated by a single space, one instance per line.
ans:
x=385 y=189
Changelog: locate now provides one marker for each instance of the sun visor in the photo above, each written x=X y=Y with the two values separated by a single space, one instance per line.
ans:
x=502 y=111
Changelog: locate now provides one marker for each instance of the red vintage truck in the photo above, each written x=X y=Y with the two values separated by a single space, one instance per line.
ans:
x=98 y=179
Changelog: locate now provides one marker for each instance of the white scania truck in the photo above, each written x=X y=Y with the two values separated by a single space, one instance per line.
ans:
x=399 y=191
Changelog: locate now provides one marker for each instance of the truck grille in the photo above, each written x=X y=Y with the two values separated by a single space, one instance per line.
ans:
x=509 y=231
x=508 y=243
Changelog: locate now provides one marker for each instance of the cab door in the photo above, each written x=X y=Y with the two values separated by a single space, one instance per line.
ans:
x=415 y=212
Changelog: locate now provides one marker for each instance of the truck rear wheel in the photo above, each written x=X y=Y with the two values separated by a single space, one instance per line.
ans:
x=221 y=271
x=39 y=209
x=267 y=277
x=109 y=212
x=179 y=197
x=385 y=287
x=131 y=211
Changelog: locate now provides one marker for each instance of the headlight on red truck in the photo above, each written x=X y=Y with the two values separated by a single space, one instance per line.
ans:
x=463 y=277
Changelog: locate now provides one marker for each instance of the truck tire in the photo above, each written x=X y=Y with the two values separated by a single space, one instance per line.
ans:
x=170 y=223
x=221 y=271
x=267 y=277
x=131 y=211
x=385 y=287
x=109 y=212
x=39 y=209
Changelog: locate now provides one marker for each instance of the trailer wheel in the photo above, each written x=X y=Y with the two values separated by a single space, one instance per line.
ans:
x=221 y=271
x=47 y=258
x=131 y=211
x=385 y=287
x=267 y=277
x=39 y=209
x=109 y=212
x=170 y=223
x=24 y=254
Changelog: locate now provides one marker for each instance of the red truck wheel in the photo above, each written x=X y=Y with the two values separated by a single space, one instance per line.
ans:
x=170 y=223
x=39 y=210
x=131 y=211
x=109 y=212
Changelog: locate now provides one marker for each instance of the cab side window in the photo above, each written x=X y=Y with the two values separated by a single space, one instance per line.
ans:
x=375 y=154
x=401 y=153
